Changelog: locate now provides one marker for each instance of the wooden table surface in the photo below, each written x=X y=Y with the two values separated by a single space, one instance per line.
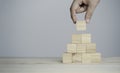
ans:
x=54 y=65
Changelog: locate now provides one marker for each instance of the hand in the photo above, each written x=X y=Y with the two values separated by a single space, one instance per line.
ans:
x=80 y=6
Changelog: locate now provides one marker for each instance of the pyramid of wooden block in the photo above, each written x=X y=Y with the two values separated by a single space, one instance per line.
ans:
x=81 y=50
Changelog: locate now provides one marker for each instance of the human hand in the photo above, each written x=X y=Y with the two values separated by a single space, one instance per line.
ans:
x=80 y=6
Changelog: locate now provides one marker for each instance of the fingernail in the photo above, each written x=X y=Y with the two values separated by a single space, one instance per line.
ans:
x=74 y=22
x=87 y=21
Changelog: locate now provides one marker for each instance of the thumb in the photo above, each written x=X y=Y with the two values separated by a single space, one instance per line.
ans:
x=89 y=13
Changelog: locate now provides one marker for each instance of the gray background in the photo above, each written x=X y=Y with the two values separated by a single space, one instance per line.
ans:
x=42 y=28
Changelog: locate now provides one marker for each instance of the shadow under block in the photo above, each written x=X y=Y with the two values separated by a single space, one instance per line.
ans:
x=77 y=58
x=71 y=48
x=67 y=58
x=81 y=38
x=81 y=25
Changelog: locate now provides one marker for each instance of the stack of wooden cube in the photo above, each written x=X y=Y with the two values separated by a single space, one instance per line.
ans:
x=81 y=50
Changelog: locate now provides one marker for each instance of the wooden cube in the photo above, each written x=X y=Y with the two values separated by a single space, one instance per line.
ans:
x=81 y=48
x=95 y=57
x=71 y=48
x=91 y=58
x=91 y=48
x=76 y=37
x=86 y=35
x=77 y=58
x=86 y=58
x=81 y=25
x=86 y=38
x=67 y=58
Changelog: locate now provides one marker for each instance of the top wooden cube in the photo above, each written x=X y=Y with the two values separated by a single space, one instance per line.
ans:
x=81 y=25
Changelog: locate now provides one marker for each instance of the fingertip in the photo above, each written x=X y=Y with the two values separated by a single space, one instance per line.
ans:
x=87 y=21
x=74 y=22
x=74 y=19
x=88 y=17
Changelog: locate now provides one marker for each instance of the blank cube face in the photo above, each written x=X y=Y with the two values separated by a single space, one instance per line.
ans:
x=76 y=37
x=91 y=46
x=81 y=22
x=98 y=60
x=81 y=48
x=91 y=58
x=91 y=50
x=81 y=51
x=96 y=57
x=86 y=38
x=71 y=48
x=86 y=58
x=86 y=35
x=77 y=58
x=67 y=58
x=81 y=25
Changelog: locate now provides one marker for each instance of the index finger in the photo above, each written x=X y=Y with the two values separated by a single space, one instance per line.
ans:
x=73 y=9
x=73 y=15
